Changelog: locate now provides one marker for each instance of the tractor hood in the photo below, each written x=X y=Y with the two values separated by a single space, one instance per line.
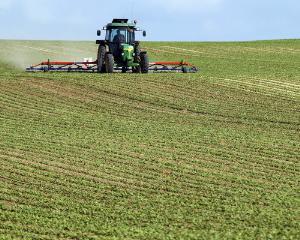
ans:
x=127 y=52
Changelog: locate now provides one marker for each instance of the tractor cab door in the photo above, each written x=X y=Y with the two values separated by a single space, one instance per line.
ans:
x=118 y=36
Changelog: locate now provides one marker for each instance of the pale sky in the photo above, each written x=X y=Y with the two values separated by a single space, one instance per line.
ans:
x=175 y=20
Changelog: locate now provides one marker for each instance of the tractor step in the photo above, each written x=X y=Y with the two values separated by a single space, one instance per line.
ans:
x=92 y=67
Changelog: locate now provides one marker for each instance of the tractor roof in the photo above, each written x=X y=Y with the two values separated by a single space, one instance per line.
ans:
x=117 y=22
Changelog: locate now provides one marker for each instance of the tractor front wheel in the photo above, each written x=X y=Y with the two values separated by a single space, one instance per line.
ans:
x=136 y=69
x=101 y=59
x=144 y=63
x=109 y=63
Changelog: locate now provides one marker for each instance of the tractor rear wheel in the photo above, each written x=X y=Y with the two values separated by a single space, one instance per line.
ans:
x=144 y=63
x=101 y=59
x=109 y=63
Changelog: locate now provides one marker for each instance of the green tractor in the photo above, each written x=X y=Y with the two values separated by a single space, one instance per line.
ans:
x=120 y=50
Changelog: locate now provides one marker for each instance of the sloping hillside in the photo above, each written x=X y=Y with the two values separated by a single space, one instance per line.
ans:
x=212 y=155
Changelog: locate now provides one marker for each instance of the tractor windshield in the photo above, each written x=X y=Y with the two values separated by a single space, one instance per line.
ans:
x=120 y=35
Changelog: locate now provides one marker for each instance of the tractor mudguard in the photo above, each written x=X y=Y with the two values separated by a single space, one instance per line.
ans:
x=101 y=42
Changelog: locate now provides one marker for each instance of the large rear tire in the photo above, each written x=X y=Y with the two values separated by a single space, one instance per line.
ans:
x=101 y=59
x=144 y=63
x=109 y=63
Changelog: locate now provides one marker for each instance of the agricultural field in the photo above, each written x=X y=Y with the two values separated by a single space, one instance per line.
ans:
x=210 y=155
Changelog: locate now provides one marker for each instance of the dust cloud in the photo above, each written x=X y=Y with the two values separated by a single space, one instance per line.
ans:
x=22 y=54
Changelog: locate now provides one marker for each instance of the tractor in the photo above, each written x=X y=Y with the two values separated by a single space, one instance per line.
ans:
x=120 y=50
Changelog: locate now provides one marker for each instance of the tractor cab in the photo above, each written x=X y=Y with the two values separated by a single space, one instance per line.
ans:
x=120 y=29
x=120 y=35
x=119 y=39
